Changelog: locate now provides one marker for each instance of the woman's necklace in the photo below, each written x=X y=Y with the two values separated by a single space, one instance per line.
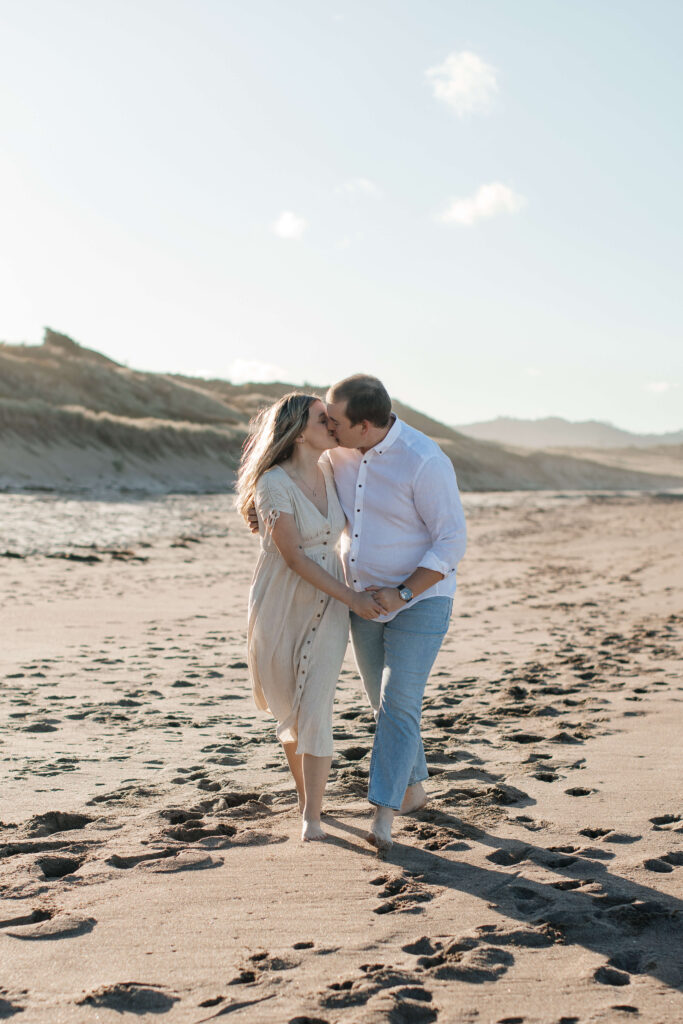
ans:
x=312 y=490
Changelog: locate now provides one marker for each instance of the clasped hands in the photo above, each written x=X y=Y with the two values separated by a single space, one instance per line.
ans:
x=375 y=601
x=387 y=597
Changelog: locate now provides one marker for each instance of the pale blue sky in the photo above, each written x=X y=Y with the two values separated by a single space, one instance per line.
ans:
x=150 y=147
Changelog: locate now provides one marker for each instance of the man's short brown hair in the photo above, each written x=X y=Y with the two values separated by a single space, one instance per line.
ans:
x=366 y=399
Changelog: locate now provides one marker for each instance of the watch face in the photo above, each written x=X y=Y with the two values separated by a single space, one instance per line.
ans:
x=405 y=593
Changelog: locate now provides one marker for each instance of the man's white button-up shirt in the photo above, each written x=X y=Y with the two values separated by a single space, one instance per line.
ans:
x=403 y=510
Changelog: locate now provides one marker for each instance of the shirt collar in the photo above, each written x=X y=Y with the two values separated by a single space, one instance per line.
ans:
x=393 y=434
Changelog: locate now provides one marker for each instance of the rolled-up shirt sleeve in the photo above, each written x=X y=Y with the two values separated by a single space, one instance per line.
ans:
x=437 y=500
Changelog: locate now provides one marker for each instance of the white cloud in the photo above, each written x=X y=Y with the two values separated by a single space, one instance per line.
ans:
x=532 y=371
x=660 y=386
x=288 y=225
x=360 y=186
x=465 y=82
x=242 y=371
x=488 y=201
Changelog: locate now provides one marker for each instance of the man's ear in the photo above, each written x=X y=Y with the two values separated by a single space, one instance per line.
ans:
x=364 y=427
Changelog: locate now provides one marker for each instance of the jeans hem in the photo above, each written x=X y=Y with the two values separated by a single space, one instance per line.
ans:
x=378 y=803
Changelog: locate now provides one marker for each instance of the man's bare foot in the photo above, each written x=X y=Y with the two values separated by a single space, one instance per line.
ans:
x=415 y=798
x=312 y=830
x=380 y=831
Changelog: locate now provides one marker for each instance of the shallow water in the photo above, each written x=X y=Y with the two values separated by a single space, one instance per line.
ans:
x=39 y=523
x=44 y=524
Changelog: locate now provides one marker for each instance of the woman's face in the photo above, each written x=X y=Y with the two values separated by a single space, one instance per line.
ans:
x=317 y=433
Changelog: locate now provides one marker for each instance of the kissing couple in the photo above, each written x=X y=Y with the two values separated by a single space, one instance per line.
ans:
x=360 y=523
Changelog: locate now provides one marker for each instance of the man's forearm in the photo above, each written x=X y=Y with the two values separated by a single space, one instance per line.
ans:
x=422 y=579
x=419 y=581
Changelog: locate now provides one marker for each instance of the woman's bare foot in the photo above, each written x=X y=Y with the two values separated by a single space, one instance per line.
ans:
x=312 y=830
x=415 y=798
x=380 y=831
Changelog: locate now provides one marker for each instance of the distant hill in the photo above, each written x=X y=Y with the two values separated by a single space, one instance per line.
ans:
x=72 y=419
x=554 y=432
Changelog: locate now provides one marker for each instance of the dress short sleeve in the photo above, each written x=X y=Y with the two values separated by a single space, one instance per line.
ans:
x=271 y=498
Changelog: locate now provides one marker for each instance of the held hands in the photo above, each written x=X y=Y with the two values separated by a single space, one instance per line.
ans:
x=366 y=605
x=387 y=597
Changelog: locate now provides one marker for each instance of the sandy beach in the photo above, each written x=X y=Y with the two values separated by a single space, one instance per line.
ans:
x=150 y=865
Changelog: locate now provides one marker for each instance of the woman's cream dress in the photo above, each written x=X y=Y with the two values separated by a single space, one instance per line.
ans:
x=297 y=635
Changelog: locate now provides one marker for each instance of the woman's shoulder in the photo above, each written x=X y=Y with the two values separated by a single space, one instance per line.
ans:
x=276 y=475
x=274 y=479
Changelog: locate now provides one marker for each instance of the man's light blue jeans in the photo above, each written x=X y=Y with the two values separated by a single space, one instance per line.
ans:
x=394 y=659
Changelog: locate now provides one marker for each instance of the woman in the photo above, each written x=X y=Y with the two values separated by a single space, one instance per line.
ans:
x=298 y=617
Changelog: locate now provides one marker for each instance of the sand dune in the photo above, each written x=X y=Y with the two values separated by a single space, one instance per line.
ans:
x=72 y=419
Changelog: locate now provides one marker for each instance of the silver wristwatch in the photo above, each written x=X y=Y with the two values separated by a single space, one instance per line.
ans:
x=405 y=593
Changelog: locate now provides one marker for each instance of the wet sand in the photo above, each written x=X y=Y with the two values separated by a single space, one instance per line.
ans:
x=150 y=863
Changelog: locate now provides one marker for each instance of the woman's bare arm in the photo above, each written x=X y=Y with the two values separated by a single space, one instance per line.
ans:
x=288 y=542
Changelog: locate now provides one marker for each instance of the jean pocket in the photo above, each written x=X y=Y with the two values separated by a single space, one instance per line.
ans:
x=430 y=616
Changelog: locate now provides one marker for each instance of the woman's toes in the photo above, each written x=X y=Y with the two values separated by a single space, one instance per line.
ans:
x=312 y=830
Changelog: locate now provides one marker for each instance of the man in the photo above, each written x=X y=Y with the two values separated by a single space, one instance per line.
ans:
x=404 y=537
x=405 y=534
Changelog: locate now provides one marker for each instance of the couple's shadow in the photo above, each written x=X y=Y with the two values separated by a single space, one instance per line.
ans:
x=608 y=917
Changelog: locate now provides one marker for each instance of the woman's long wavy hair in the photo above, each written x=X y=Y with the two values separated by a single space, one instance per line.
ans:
x=272 y=435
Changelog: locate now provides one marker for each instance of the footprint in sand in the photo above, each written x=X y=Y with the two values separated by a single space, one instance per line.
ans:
x=639 y=915
x=131 y=860
x=130 y=997
x=59 y=926
x=402 y=894
x=667 y=822
x=665 y=864
x=509 y=857
x=377 y=978
x=528 y=900
x=56 y=821
x=475 y=966
x=194 y=829
x=540 y=937
x=409 y=1004
x=57 y=867
x=609 y=976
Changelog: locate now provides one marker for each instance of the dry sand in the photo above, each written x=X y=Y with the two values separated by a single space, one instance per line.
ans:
x=150 y=866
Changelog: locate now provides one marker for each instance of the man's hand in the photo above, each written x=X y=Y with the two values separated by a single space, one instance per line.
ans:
x=388 y=597
x=366 y=605
x=252 y=519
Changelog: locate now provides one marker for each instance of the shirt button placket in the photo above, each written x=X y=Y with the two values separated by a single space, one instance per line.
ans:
x=357 y=519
